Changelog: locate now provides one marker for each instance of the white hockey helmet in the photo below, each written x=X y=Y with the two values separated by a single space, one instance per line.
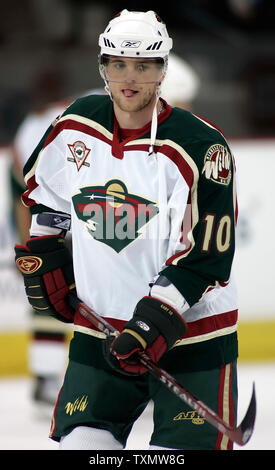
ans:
x=135 y=34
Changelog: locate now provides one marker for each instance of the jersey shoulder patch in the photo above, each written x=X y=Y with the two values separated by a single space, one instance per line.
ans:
x=217 y=164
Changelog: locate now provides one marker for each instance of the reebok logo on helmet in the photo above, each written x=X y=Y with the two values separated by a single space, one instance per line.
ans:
x=130 y=43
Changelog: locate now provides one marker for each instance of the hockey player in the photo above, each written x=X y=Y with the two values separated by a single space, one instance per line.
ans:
x=149 y=191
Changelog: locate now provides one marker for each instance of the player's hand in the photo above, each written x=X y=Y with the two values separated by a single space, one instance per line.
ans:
x=154 y=328
x=47 y=268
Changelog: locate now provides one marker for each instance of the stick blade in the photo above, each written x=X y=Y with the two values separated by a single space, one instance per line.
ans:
x=247 y=425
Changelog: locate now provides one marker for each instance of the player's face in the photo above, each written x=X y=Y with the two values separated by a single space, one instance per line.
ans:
x=140 y=71
x=133 y=82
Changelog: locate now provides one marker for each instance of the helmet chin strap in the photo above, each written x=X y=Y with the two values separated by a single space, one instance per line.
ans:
x=107 y=89
x=154 y=124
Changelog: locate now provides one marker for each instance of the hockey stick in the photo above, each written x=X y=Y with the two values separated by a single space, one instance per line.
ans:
x=240 y=434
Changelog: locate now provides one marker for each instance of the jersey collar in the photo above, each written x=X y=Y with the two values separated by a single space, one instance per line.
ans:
x=119 y=142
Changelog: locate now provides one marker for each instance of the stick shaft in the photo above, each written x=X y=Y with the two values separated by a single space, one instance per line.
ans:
x=240 y=435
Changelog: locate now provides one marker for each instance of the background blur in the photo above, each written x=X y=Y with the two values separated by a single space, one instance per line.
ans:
x=48 y=53
x=229 y=43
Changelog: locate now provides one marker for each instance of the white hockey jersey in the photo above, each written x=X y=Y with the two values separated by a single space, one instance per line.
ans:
x=134 y=216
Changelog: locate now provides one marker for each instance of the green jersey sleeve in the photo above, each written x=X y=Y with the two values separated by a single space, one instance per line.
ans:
x=208 y=229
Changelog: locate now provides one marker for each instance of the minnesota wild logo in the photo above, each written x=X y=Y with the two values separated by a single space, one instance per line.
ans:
x=217 y=164
x=113 y=215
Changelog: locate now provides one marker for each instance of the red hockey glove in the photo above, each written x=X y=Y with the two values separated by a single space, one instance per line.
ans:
x=154 y=328
x=47 y=268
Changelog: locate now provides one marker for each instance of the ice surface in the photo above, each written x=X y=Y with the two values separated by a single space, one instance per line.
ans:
x=22 y=427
